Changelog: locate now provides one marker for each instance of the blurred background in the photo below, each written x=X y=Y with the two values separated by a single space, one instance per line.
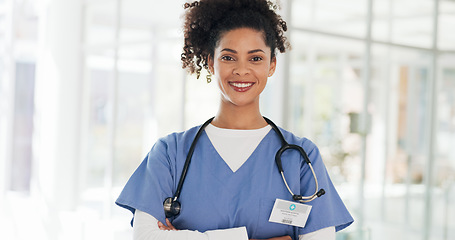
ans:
x=87 y=87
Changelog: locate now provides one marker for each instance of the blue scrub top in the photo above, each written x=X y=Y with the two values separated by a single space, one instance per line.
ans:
x=214 y=197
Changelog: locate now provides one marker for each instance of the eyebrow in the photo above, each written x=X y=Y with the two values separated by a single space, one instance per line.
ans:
x=249 y=52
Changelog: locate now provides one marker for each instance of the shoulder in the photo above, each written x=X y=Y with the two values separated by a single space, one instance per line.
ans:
x=304 y=142
x=180 y=136
x=168 y=149
x=176 y=140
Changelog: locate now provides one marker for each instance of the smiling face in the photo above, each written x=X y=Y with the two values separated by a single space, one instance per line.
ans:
x=241 y=64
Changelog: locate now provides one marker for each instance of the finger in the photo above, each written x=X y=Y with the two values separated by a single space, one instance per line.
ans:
x=161 y=225
x=169 y=224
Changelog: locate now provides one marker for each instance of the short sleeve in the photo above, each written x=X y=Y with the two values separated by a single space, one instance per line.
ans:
x=151 y=183
x=327 y=210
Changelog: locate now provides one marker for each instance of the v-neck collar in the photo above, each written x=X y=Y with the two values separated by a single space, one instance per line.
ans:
x=220 y=161
x=235 y=146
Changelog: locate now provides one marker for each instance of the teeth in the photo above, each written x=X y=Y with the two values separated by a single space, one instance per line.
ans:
x=241 y=85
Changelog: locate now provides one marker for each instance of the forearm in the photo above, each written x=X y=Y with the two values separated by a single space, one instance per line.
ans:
x=321 y=234
x=277 y=238
x=145 y=227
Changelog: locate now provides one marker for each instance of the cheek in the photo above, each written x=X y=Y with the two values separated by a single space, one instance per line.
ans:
x=222 y=86
x=221 y=71
x=263 y=72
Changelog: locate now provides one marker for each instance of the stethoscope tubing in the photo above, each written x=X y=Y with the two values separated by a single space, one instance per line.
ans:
x=172 y=206
x=285 y=146
x=188 y=159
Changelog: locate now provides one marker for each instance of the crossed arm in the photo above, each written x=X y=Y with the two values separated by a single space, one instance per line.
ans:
x=170 y=227
x=146 y=227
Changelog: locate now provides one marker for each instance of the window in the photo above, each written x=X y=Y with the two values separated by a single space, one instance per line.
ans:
x=381 y=108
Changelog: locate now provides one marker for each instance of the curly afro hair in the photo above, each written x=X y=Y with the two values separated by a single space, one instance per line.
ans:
x=207 y=20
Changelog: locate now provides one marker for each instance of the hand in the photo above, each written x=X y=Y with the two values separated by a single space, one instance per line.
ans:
x=277 y=238
x=169 y=226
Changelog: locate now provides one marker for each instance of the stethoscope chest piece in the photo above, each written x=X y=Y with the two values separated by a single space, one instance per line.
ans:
x=171 y=207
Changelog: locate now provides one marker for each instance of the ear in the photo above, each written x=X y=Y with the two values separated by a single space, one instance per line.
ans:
x=210 y=64
x=272 y=66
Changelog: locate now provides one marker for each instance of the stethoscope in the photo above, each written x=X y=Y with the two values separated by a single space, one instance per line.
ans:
x=172 y=206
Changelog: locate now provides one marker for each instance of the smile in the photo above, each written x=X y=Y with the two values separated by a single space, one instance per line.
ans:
x=241 y=86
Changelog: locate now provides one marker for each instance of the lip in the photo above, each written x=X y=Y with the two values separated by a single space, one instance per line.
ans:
x=241 y=86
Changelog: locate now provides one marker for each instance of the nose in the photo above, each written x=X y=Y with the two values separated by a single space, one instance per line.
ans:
x=241 y=68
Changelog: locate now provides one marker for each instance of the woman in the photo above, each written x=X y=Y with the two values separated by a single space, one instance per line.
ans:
x=233 y=182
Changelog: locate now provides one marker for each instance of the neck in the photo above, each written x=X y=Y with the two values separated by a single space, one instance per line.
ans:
x=234 y=117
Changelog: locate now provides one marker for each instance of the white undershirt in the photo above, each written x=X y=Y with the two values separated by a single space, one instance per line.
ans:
x=145 y=227
x=234 y=147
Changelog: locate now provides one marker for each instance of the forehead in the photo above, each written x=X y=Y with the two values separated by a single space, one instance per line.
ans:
x=242 y=39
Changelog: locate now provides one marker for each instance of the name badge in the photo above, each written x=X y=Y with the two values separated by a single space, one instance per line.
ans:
x=290 y=213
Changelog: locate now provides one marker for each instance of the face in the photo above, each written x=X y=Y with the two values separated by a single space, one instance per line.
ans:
x=241 y=64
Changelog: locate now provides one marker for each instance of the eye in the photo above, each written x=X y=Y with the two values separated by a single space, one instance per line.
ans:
x=256 y=59
x=227 y=58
